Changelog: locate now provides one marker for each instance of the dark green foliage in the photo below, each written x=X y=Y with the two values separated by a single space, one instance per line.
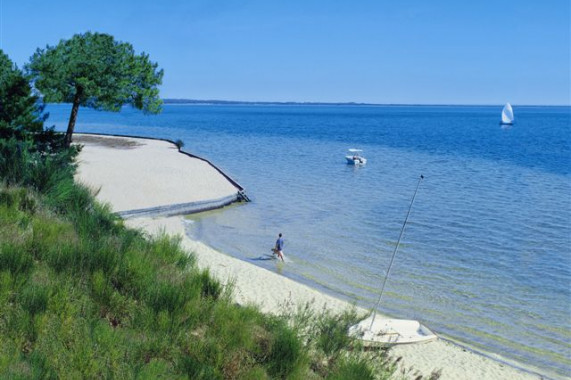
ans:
x=209 y=287
x=104 y=73
x=332 y=330
x=195 y=369
x=166 y=296
x=68 y=199
x=20 y=165
x=179 y=143
x=21 y=113
x=13 y=260
x=41 y=366
x=34 y=298
x=285 y=352
x=93 y=70
x=16 y=161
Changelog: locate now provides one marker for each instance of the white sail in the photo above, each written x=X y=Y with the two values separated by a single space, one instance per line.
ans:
x=507 y=114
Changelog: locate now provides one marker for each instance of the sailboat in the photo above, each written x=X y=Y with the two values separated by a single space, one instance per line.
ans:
x=507 y=115
x=384 y=331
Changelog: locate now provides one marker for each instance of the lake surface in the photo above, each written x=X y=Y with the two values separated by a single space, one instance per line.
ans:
x=485 y=258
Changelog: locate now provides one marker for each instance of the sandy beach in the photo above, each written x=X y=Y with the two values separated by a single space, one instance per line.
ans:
x=130 y=173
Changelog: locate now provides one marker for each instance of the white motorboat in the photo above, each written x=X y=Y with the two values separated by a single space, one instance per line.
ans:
x=355 y=157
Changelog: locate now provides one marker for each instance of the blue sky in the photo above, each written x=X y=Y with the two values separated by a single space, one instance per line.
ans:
x=406 y=52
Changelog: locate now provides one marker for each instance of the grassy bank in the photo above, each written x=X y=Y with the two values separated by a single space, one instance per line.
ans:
x=82 y=296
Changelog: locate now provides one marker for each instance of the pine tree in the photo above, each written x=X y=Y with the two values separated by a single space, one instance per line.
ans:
x=93 y=70
x=20 y=112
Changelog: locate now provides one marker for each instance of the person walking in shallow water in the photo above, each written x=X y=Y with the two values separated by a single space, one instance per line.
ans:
x=279 y=247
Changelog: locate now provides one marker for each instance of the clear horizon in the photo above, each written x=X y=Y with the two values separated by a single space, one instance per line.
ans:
x=437 y=53
x=285 y=102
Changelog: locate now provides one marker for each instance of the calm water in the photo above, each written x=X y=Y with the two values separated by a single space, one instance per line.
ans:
x=485 y=258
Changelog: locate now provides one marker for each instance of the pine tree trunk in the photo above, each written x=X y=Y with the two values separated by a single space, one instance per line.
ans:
x=73 y=116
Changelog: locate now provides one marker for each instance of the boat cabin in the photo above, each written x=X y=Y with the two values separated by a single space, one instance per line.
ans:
x=355 y=157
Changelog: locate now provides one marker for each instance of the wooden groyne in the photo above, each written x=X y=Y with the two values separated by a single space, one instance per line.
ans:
x=180 y=208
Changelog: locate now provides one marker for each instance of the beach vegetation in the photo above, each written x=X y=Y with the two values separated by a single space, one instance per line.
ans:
x=22 y=114
x=353 y=368
x=96 y=71
x=179 y=144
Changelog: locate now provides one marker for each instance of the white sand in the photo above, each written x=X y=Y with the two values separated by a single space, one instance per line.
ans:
x=142 y=173
x=154 y=173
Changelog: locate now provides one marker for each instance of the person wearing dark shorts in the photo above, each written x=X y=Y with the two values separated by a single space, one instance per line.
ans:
x=278 y=249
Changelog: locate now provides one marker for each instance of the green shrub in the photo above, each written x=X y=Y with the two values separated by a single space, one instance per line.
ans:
x=15 y=161
x=286 y=354
x=70 y=199
x=54 y=242
x=198 y=370
x=20 y=165
x=15 y=259
x=353 y=368
x=255 y=373
x=179 y=144
x=332 y=330
x=45 y=172
x=34 y=299
x=101 y=288
x=62 y=257
x=41 y=367
x=135 y=273
x=102 y=256
x=156 y=369
x=166 y=296
x=18 y=199
x=209 y=286
x=167 y=249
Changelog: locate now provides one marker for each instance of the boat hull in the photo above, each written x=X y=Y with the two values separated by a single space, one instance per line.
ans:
x=387 y=332
x=355 y=161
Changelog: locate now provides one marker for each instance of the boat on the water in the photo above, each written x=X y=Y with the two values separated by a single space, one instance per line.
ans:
x=507 y=115
x=355 y=157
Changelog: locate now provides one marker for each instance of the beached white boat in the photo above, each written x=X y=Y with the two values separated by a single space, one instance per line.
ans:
x=355 y=157
x=507 y=115
x=386 y=332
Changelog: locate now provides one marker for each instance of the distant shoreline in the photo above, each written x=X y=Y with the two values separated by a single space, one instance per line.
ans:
x=356 y=104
